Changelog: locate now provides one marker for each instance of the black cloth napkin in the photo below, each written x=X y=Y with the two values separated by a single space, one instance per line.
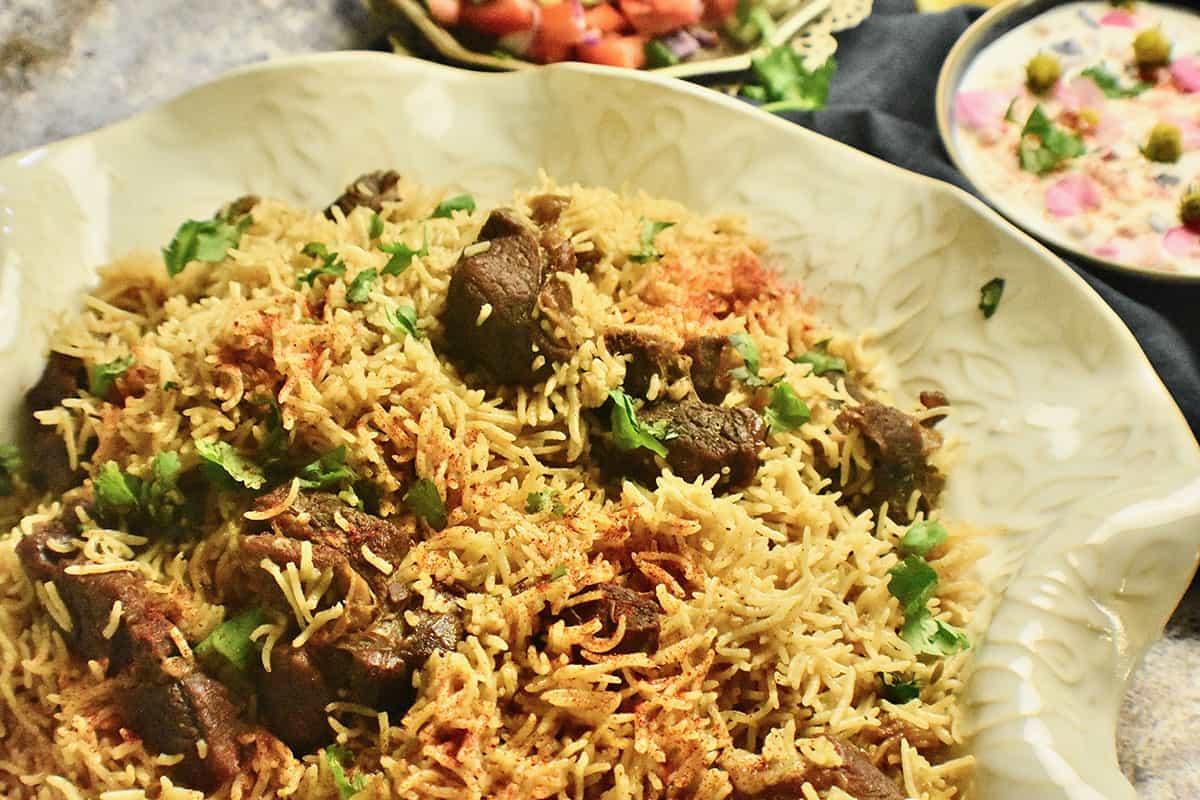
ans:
x=882 y=102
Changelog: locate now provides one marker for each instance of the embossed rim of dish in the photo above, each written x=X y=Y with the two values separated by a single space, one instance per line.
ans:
x=1099 y=545
x=997 y=21
x=448 y=45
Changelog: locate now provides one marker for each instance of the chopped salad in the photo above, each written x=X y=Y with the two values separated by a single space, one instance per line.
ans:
x=621 y=33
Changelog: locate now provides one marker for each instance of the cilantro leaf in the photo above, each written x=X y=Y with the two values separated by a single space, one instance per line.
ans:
x=559 y=572
x=158 y=495
x=913 y=583
x=273 y=447
x=536 y=502
x=116 y=492
x=898 y=691
x=748 y=350
x=221 y=459
x=360 y=287
x=820 y=360
x=402 y=254
x=231 y=640
x=10 y=467
x=787 y=85
x=786 y=411
x=648 y=252
x=335 y=756
x=203 y=240
x=1110 y=84
x=1044 y=146
x=630 y=434
x=446 y=208
x=921 y=537
x=751 y=23
x=423 y=499
x=989 y=296
x=330 y=263
x=101 y=377
x=328 y=472
x=403 y=320
x=375 y=228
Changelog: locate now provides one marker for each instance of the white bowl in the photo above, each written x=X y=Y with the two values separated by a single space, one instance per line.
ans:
x=1071 y=445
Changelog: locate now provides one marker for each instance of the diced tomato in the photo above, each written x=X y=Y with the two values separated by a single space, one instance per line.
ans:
x=562 y=23
x=605 y=18
x=719 y=10
x=445 y=12
x=615 y=51
x=661 y=16
x=500 y=17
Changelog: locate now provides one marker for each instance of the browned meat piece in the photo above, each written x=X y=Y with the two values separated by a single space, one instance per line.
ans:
x=511 y=278
x=560 y=253
x=547 y=208
x=754 y=778
x=49 y=468
x=175 y=715
x=934 y=400
x=371 y=189
x=898 y=446
x=712 y=359
x=649 y=356
x=292 y=699
x=706 y=440
x=166 y=700
x=640 y=610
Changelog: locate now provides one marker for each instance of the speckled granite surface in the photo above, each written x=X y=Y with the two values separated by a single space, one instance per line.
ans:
x=69 y=66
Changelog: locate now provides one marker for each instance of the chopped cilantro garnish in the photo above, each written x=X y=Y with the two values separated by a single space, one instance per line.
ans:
x=913 y=583
x=650 y=230
x=898 y=691
x=328 y=472
x=221 y=460
x=820 y=360
x=921 y=537
x=748 y=350
x=784 y=84
x=10 y=467
x=536 y=502
x=231 y=640
x=989 y=296
x=102 y=376
x=751 y=23
x=330 y=264
x=375 y=227
x=273 y=447
x=203 y=240
x=559 y=572
x=156 y=500
x=335 y=756
x=403 y=320
x=786 y=411
x=1111 y=84
x=360 y=287
x=1043 y=146
x=423 y=499
x=446 y=208
x=630 y=434
x=402 y=254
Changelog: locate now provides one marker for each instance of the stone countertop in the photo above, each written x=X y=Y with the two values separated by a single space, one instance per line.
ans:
x=67 y=66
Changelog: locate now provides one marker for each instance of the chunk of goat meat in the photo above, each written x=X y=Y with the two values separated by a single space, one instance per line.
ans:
x=649 y=356
x=49 y=465
x=292 y=698
x=503 y=309
x=712 y=359
x=639 y=610
x=545 y=209
x=756 y=777
x=371 y=189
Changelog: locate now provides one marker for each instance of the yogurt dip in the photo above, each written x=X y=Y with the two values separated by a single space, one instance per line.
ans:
x=1098 y=191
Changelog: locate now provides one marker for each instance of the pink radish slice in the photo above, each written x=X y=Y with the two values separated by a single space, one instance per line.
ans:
x=1182 y=242
x=1119 y=19
x=1073 y=194
x=1185 y=72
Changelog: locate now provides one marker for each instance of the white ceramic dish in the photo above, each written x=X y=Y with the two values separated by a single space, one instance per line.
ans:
x=1070 y=443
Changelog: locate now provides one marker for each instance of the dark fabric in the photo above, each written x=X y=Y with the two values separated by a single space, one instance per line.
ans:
x=882 y=102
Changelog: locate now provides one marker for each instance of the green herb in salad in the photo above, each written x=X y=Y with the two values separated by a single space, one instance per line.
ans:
x=782 y=83
x=1044 y=146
